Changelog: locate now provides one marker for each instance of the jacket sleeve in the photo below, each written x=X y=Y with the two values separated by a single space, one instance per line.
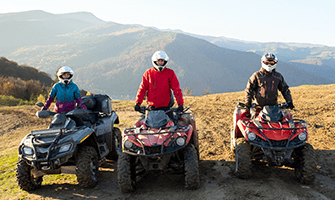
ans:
x=51 y=98
x=250 y=90
x=284 y=89
x=142 y=90
x=176 y=89
x=48 y=103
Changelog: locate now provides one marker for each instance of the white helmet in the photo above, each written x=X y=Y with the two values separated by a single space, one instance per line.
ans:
x=157 y=56
x=269 y=57
x=63 y=70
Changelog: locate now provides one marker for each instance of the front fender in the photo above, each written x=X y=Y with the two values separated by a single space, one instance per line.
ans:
x=79 y=136
x=114 y=118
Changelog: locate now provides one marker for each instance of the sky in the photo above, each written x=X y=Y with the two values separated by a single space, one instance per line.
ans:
x=301 y=21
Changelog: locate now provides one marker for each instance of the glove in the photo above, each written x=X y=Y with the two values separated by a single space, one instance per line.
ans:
x=137 y=107
x=180 y=109
x=248 y=105
x=290 y=105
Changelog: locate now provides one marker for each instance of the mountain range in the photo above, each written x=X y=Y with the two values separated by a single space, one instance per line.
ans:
x=111 y=58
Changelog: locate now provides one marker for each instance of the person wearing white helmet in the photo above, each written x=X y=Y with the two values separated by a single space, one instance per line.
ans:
x=66 y=91
x=264 y=84
x=157 y=83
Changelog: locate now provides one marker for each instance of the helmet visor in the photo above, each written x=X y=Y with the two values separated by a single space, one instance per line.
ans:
x=66 y=75
x=269 y=62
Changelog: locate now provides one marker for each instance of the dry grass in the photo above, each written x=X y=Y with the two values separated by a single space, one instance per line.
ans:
x=213 y=114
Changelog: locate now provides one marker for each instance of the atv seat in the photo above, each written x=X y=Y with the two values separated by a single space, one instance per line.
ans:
x=92 y=117
x=58 y=119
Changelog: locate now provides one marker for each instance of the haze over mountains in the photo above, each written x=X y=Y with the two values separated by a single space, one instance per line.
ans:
x=111 y=58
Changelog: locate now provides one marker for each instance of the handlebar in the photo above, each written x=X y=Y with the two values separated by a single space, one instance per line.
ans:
x=281 y=105
x=143 y=109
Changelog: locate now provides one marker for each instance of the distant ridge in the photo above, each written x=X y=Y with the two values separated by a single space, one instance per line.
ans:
x=111 y=58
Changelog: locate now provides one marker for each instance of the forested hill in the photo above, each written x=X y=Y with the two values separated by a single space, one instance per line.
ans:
x=12 y=69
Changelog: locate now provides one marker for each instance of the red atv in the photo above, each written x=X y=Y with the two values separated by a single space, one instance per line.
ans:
x=159 y=143
x=270 y=134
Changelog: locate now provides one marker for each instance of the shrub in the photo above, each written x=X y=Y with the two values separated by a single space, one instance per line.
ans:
x=12 y=101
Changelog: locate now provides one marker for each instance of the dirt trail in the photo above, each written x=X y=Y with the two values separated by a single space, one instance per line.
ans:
x=213 y=114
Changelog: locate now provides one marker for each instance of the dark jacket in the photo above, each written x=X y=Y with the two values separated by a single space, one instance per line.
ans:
x=263 y=86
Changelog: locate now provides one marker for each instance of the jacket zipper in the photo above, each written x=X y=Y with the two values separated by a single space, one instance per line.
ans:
x=272 y=85
x=266 y=95
x=65 y=94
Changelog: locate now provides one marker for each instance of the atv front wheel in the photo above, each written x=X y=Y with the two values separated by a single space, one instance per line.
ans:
x=306 y=170
x=191 y=167
x=87 y=168
x=115 y=144
x=242 y=158
x=25 y=179
x=126 y=173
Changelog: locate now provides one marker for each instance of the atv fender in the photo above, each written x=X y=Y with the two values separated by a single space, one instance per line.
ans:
x=79 y=137
x=114 y=119
x=189 y=134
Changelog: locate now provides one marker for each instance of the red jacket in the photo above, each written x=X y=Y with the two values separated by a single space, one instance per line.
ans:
x=157 y=86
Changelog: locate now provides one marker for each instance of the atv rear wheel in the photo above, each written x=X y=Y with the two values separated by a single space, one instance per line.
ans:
x=87 y=168
x=126 y=173
x=191 y=167
x=306 y=171
x=242 y=158
x=115 y=144
x=25 y=179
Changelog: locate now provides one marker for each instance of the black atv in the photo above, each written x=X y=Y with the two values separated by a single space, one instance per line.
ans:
x=76 y=142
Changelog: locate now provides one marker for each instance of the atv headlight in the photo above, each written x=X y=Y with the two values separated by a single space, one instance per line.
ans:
x=128 y=144
x=302 y=136
x=28 y=151
x=65 y=148
x=180 y=141
x=251 y=136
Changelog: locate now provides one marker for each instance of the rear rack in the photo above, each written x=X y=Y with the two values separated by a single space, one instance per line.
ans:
x=46 y=132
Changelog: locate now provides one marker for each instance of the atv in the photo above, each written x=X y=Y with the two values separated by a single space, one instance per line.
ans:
x=271 y=135
x=76 y=142
x=164 y=141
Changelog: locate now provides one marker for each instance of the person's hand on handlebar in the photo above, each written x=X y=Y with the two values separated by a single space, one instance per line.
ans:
x=180 y=108
x=137 y=107
x=290 y=105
